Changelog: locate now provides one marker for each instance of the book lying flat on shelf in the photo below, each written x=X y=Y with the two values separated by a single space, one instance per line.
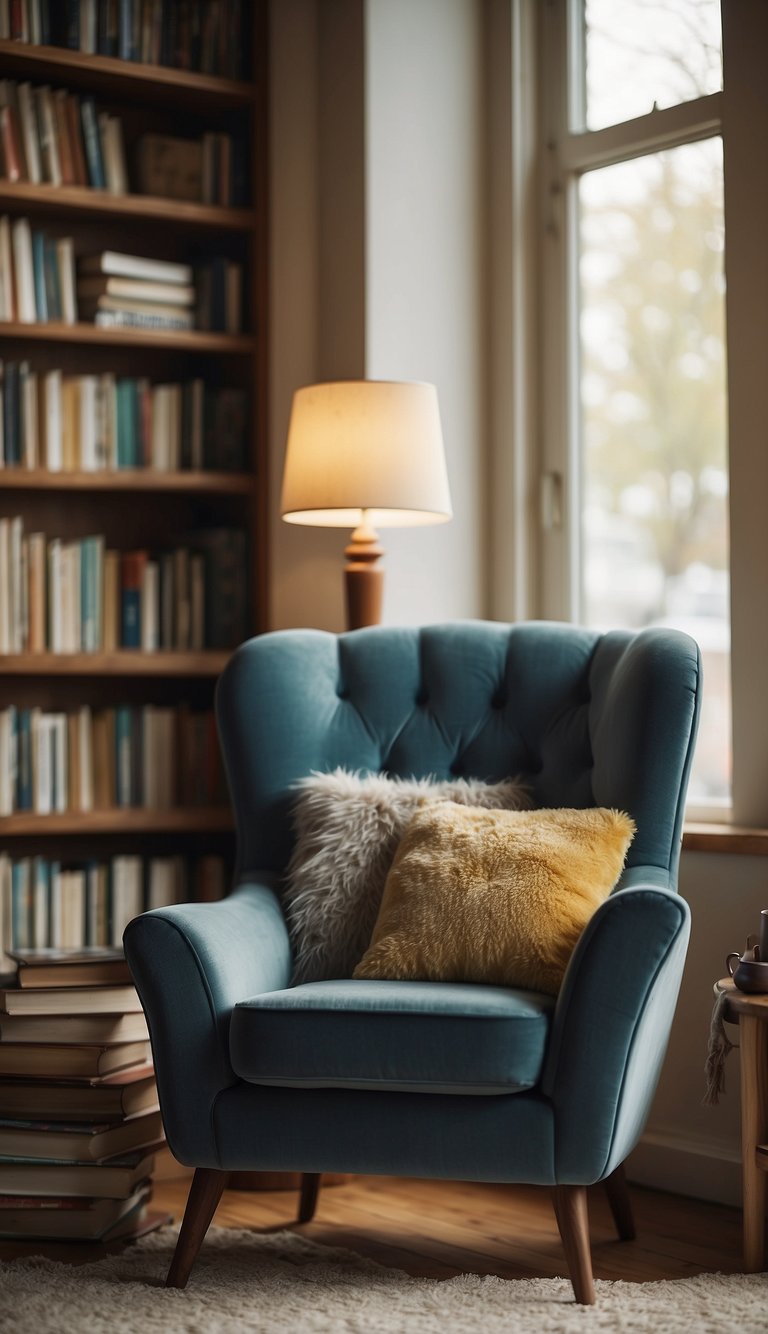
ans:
x=69 y=1142
x=112 y=1098
x=96 y=966
x=137 y=289
x=114 y=1179
x=40 y=1060
x=83 y=1029
x=69 y=1001
x=62 y=1218
x=114 y=264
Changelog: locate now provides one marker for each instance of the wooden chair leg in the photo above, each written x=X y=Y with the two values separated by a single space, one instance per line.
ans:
x=310 y=1189
x=573 y=1222
x=204 y=1195
x=621 y=1206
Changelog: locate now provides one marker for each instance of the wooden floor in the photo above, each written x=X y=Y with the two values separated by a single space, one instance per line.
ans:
x=438 y=1228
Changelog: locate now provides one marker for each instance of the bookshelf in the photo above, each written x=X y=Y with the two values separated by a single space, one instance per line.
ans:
x=139 y=507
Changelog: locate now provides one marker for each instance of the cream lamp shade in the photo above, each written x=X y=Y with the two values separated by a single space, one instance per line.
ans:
x=365 y=454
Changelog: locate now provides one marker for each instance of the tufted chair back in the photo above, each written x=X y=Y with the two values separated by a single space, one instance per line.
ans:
x=585 y=719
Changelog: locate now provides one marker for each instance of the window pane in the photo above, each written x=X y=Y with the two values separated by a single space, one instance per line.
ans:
x=641 y=52
x=653 y=407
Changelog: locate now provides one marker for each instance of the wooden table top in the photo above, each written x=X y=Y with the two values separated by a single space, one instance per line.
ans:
x=743 y=1002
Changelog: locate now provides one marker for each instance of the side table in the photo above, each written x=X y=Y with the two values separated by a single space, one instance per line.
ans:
x=750 y=1012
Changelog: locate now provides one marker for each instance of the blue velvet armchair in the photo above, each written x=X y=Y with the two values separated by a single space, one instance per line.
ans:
x=254 y=1074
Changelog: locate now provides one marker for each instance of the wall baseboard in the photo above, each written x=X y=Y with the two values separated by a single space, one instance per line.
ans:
x=703 y=1169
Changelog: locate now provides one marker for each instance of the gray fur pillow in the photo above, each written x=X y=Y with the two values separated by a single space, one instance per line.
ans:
x=348 y=828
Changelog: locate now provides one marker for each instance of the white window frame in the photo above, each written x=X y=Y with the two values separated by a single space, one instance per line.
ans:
x=545 y=348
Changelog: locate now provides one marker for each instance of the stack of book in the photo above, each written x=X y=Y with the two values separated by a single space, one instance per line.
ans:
x=116 y=290
x=71 y=905
x=79 y=1119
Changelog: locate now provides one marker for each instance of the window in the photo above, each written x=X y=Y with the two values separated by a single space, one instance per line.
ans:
x=635 y=430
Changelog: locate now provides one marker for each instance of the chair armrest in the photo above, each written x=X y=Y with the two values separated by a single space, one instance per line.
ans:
x=611 y=1026
x=191 y=964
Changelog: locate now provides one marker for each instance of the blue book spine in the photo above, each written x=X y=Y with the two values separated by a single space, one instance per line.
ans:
x=24 y=788
x=130 y=603
x=125 y=37
x=21 y=906
x=38 y=269
x=92 y=142
x=88 y=640
x=123 y=775
x=135 y=418
x=125 y=446
x=14 y=755
x=52 y=280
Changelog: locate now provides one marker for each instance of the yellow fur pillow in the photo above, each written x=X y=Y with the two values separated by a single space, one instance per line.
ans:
x=494 y=896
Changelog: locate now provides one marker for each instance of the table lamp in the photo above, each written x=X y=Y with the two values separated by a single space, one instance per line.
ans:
x=365 y=454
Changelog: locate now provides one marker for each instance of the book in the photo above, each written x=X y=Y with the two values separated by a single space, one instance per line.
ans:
x=58 y=1219
x=57 y=1061
x=70 y=1142
x=23 y=271
x=170 y=167
x=93 y=966
x=114 y=264
x=132 y=577
x=109 y=1098
x=115 y=1178
x=92 y=141
x=123 y=305
x=69 y=1000
x=137 y=289
x=85 y=1028
x=134 y=319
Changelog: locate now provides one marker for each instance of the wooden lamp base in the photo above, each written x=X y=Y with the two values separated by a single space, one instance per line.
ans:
x=363 y=578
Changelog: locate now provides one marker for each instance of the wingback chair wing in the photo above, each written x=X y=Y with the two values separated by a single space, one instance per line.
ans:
x=256 y=1074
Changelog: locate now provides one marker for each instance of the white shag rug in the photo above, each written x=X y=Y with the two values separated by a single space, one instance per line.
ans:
x=273 y=1283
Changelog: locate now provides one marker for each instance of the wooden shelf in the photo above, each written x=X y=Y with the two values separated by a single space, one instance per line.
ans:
x=725 y=838
x=124 y=78
x=207 y=820
x=127 y=479
x=121 y=662
x=79 y=201
x=182 y=340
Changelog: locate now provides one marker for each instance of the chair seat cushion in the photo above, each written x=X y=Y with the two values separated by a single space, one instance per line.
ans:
x=421 y=1037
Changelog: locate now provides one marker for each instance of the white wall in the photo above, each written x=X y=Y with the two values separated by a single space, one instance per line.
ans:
x=424 y=264
x=377 y=271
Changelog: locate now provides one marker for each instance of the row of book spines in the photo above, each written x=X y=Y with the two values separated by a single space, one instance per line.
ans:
x=79 y=597
x=57 y=138
x=37 y=275
x=38 y=285
x=121 y=758
x=206 y=36
x=46 y=904
x=92 y=422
